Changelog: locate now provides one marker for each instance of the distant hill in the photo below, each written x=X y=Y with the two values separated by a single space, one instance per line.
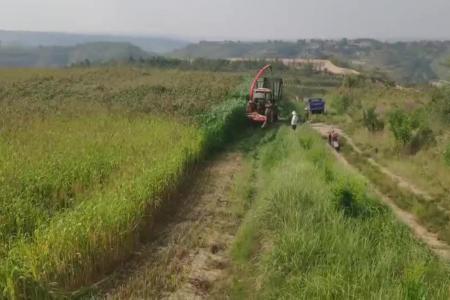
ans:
x=36 y=39
x=407 y=62
x=57 y=56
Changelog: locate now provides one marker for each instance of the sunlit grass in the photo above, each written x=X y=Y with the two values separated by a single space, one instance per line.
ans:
x=316 y=232
x=87 y=156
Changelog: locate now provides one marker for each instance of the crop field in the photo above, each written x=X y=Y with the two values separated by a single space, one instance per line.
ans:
x=86 y=157
x=91 y=158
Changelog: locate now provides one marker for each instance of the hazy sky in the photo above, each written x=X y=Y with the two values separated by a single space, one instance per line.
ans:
x=234 y=19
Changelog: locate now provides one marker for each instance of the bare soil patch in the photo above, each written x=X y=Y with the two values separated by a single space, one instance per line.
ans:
x=188 y=256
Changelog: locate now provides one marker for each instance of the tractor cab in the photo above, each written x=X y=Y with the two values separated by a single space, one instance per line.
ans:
x=263 y=94
x=261 y=98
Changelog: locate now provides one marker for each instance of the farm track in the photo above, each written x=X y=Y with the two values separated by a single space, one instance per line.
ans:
x=439 y=247
x=187 y=258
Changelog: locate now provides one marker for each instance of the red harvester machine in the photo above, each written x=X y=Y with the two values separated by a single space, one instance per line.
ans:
x=265 y=93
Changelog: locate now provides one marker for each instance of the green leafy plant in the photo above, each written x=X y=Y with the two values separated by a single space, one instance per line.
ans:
x=411 y=131
x=371 y=120
x=401 y=126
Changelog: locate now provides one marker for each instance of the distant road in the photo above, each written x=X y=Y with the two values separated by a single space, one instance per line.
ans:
x=323 y=65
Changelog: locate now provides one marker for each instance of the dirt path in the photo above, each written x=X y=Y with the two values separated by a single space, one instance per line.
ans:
x=323 y=65
x=323 y=129
x=431 y=239
x=188 y=259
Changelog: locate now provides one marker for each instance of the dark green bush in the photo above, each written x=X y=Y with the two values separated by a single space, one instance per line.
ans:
x=401 y=126
x=371 y=120
x=422 y=138
x=350 y=196
x=412 y=130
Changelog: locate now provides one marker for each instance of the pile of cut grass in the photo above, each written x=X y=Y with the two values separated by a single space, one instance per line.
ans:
x=316 y=232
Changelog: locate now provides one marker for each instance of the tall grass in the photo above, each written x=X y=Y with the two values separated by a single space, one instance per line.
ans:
x=317 y=233
x=82 y=177
x=83 y=242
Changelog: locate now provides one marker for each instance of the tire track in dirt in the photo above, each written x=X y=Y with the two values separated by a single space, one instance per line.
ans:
x=188 y=256
x=439 y=247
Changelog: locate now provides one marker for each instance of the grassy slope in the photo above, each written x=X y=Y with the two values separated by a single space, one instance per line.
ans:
x=407 y=62
x=426 y=169
x=57 y=56
x=315 y=231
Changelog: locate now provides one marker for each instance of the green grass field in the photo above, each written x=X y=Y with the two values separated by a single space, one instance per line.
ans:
x=315 y=231
x=421 y=161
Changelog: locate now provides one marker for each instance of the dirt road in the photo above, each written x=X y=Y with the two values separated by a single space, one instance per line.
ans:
x=188 y=258
x=440 y=248
x=322 y=65
x=323 y=129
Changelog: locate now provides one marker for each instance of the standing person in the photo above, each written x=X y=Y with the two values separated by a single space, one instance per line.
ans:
x=294 y=120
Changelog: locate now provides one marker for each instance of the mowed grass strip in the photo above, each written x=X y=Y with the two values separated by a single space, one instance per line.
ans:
x=316 y=232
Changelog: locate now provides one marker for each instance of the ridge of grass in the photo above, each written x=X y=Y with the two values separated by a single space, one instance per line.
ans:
x=316 y=231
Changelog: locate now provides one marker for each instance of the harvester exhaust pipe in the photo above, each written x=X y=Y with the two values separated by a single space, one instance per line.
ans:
x=255 y=81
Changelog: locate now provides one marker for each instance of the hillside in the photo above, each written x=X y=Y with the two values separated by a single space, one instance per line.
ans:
x=132 y=182
x=406 y=62
x=57 y=56
x=403 y=131
x=46 y=39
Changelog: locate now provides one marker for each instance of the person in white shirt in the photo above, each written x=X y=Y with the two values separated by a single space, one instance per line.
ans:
x=294 y=120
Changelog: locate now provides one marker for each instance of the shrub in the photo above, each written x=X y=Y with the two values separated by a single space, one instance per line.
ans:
x=441 y=103
x=342 y=102
x=411 y=130
x=350 y=196
x=423 y=137
x=371 y=120
x=401 y=126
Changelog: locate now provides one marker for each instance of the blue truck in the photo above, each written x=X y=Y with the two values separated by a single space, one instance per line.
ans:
x=316 y=106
